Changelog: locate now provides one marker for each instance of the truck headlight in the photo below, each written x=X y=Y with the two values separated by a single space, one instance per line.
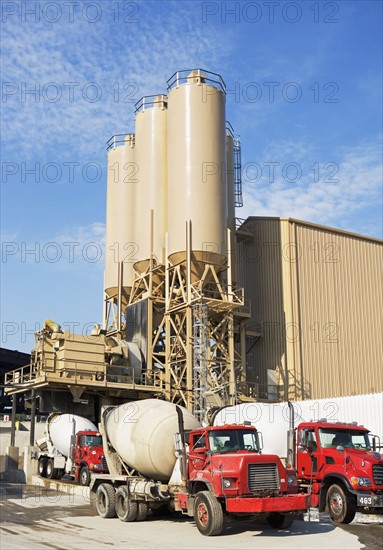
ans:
x=227 y=483
x=291 y=480
x=361 y=481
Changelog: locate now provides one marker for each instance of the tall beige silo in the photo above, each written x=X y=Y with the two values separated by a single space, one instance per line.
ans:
x=197 y=169
x=151 y=188
x=119 y=245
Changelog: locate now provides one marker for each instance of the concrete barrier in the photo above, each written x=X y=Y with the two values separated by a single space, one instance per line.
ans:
x=12 y=462
x=12 y=473
x=62 y=487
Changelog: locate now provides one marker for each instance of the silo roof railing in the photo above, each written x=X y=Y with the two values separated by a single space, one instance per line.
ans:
x=150 y=101
x=202 y=76
x=117 y=140
x=230 y=129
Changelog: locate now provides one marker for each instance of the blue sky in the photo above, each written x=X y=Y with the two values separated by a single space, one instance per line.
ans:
x=304 y=92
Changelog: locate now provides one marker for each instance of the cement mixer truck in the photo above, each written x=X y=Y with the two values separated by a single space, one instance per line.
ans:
x=158 y=455
x=72 y=445
x=336 y=462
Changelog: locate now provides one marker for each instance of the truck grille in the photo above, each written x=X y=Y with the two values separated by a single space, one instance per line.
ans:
x=377 y=472
x=263 y=477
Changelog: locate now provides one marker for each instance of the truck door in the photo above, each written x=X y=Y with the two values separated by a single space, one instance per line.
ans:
x=77 y=450
x=307 y=454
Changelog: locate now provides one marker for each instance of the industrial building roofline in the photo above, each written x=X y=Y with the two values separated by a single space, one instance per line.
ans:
x=314 y=225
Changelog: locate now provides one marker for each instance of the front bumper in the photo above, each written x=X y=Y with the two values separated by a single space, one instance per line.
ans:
x=287 y=503
x=369 y=501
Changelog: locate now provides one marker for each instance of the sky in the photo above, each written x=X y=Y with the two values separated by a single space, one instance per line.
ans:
x=304 y=85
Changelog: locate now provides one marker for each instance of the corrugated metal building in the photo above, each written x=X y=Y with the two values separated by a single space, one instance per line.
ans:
x=316 y=309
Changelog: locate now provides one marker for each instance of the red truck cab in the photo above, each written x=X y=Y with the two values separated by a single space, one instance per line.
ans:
x=226 y=473
x=87 y=456
x=337 y=462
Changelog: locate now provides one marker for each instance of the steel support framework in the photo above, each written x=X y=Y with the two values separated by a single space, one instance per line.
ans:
x=194 y=330
x=185 y=303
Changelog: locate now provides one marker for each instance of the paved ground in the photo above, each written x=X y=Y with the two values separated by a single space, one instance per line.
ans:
x=33 y=517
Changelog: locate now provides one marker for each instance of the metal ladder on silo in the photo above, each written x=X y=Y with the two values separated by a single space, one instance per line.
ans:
x=200 y=360
x=238 y=200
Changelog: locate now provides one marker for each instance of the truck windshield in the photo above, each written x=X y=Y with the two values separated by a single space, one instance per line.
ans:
x=93 y=440
x=330 y=437
x=233 y=440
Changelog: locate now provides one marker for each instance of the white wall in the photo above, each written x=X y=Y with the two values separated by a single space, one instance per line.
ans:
x=364 y=409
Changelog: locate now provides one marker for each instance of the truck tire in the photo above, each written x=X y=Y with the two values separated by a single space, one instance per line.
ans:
x=341 y=504
x=84 y=476
x=106 y=500
x=51 y=470
x=42 y=467
x=60 y=473
x=126 y=508
x=142 y=511
x=280 y=521
x=208 y=515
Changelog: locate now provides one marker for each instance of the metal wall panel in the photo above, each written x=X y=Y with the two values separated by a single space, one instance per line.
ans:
x=321 y=291
x=260 y=273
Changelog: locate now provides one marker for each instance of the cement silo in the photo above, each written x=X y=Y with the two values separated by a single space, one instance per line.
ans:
x=151 y=189
x=119 y=244
x=197 y=168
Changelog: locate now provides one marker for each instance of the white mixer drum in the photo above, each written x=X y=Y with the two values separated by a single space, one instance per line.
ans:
x=142 y=433
x=62 y=426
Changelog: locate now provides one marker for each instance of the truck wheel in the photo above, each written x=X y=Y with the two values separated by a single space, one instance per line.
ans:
x=208 y=515
x=51 y=471
x=142 y=511
x=106 y=500
x=341 y=504
x=84 y=477
x=126 y=508
x=280 y=521
x=42 y=467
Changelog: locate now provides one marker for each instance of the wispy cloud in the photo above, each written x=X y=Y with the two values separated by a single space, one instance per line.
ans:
x=327 y=193
x=70 y=65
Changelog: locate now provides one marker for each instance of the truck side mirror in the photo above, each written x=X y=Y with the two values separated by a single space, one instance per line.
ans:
x=260 y=441
x=375 y=442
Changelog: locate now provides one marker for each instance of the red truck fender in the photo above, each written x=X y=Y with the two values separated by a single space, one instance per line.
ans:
x=329 y=480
